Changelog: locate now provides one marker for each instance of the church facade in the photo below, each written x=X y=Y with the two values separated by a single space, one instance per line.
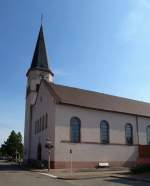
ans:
x=87 y=127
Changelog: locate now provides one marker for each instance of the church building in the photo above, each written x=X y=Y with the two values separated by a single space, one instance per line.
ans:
x=86 y=126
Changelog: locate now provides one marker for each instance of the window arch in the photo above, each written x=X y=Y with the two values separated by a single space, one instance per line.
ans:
x=148 y=135
x=104 y=132
x=75 y=127
x=129 y=134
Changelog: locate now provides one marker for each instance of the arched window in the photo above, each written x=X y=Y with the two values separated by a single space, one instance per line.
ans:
x=38 y=126
x=148 y=135
x=42 y=123
x=46 y=120
x=75 y=125
x=104 y=132
x=129 y=134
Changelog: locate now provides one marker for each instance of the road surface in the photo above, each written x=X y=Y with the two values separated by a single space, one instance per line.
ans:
x=12 y=175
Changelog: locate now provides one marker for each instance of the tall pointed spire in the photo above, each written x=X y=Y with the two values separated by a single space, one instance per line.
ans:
x=40 y=60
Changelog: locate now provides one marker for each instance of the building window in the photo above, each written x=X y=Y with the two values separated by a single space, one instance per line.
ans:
x=148 y=135
x=104 y=132
x=46 y=121
x=129 y=134
x=75 y=126
x=35 y=127
x=38 y=126
x=43 y=123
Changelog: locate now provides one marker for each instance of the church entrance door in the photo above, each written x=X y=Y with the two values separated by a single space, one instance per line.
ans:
x=39 y=152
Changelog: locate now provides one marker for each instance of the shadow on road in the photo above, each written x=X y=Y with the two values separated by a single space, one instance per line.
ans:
x=10 y=166
x=127 y=182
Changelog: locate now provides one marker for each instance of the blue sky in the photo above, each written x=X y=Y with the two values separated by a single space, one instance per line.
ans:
x=101 y=45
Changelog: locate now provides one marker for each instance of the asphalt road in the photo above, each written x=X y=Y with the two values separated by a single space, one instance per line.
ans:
x=12 y=175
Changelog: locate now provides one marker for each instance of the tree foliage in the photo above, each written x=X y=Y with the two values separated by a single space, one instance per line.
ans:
x=13 y=145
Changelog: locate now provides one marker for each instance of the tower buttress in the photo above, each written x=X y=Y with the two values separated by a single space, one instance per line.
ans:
x=38 y=70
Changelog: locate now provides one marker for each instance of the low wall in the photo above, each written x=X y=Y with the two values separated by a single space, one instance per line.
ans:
x=144 y=151
x=89 y=155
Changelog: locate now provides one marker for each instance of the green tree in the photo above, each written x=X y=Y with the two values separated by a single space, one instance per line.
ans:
x=13 y=145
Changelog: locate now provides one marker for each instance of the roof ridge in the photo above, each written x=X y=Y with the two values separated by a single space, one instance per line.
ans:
x=101 y=93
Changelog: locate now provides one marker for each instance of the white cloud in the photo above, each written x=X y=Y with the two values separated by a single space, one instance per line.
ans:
x=137 y=21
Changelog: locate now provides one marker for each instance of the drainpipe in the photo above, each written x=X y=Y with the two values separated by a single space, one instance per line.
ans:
x=137 y=128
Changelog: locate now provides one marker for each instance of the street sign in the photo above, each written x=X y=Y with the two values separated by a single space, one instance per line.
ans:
x=48 y=144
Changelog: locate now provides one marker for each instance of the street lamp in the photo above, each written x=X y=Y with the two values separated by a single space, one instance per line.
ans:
x=49 y=146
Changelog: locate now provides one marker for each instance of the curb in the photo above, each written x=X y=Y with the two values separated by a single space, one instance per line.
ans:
x=73 y=178
x=50 y=175
x=87 y=177
x=82 y=178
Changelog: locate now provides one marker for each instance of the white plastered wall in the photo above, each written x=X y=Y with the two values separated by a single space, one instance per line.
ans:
x=90 y=132
x=45 y=104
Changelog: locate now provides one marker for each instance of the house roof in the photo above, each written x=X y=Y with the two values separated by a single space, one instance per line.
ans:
x=40 y=60
x=99 y=101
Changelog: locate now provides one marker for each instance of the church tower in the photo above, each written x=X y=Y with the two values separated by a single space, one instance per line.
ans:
x=38 y=70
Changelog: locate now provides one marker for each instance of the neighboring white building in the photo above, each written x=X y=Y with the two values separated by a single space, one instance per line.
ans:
x=95 y=126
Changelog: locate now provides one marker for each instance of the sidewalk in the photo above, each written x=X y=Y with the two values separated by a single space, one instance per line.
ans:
x=86 y=175
x=78 y=174
x=83 y=173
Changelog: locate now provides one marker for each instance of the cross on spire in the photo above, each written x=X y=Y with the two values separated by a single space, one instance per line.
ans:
x=42 y=18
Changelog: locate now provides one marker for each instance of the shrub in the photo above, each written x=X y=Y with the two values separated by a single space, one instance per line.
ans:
x=140 y=169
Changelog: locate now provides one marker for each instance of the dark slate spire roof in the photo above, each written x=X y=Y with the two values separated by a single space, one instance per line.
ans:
x=39 y=60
